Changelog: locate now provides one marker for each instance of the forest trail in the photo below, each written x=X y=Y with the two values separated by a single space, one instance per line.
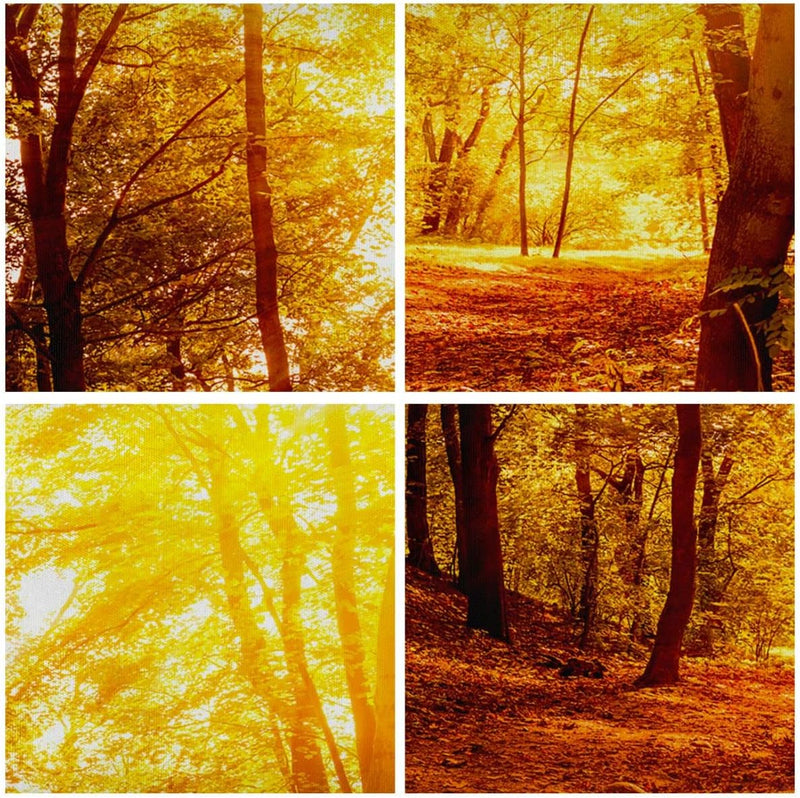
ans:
x=484 y=318
x=485 y=717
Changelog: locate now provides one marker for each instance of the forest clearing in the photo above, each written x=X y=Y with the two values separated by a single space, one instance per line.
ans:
x=483 y=716
x=600 y=599
x=482 y=318
x=577 y=133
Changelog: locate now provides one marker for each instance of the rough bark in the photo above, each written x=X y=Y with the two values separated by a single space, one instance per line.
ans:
x=486 y=608
x=380 y=775
x=453 y=450
x=420 y=548
x=755 y=221
x=344 y=587
x=663 y=666
x=729 y=60
x=260 y=193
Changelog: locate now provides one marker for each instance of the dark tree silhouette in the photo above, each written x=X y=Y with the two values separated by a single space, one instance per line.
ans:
x=663 y=667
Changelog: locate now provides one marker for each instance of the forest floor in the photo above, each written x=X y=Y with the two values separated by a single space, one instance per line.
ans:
x=483 y=716
x=483 y=318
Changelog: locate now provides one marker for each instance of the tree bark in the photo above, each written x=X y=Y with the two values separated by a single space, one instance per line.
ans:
x=729 y=60
x=453 y=450
x=46 y=177
x=420 y=548
x=663 y=666
x=344 y=589
x=486 y=608
x=755 y=221
x=260 y=193
x=571 y=136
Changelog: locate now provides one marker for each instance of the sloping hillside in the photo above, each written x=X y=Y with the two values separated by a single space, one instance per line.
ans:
x=482 y=716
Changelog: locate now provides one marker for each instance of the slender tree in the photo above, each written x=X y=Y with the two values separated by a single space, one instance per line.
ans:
x=344 y=587
x=755 y=222
x=486 y=608
x=380 y=774
x=266 y=252
x=663 y=666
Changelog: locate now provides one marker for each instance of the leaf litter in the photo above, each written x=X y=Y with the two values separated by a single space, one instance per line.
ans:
x=483 y=716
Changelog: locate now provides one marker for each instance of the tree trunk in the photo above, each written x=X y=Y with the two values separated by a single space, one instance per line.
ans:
x=461 y=184
x=438 y=178
x=266 y=253
x=571 y=136
x=590 y=539
x=420 y=548
x=344 y=588
x=46 y=181
x=453 y=449
x=486 y=596
x=729 y=60
x=491 y=190
x=755 y=221
x=663 y=667
x=522 y=191
x=380 y=775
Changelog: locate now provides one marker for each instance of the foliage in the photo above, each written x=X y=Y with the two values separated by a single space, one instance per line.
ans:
x=540 y=523
x=127 y=665
x=157 y=210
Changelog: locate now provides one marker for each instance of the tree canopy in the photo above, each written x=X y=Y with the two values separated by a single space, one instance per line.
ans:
x=193 y=599
x=157 y=239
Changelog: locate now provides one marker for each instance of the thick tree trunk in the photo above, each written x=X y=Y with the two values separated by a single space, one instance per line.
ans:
x=590 y=539
x=46 y=180
x=453 y=450
x=420 y=548
x=344 y=587
x=755 y=221
x=729 y=60
x=571 y=136
x=486 y=594
x=380 y=775
x=266 y=253
x=663 y=667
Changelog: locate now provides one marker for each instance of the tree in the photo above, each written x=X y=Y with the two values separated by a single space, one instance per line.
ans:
x=453 y=450
x=419 y=542
x=729 y=60
x=663 y=665
x=46 y=173
x=236 y=622
x=484 y=579
x=590 y=538
x=260 y=193
x=755 y=223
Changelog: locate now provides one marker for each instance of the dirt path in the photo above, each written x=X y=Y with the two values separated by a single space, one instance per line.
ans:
x=531 y=325
x=483 y=717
